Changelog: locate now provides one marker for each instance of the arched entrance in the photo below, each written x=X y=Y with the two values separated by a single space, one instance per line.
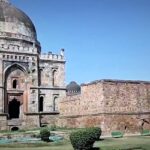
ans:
x=15 y=103
x=14 y=109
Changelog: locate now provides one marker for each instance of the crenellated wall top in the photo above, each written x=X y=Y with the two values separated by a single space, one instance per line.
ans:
x=53 y=57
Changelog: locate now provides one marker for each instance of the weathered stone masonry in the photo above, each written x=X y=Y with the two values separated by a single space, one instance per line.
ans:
x=31 y=83
x=110 y=104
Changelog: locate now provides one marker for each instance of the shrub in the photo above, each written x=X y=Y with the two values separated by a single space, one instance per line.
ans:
x=95 y=132
x=84 y=139
x=44 y=134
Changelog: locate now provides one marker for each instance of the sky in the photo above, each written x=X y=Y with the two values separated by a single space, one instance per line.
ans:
x=103 y=39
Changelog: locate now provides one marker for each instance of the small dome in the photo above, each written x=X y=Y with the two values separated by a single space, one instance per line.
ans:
x=14 y=21
x=73 y=88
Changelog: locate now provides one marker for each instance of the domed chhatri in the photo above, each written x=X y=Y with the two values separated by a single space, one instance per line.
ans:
x=15 y=21
x=73 y=88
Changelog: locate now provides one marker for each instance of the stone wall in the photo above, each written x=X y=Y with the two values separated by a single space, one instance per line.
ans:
x=109 y=104
x=3 y=122
x=31 y=121
x=52 y=73
x=49 y=119
x=129 y=97
x=34 y=120
x=88 y=102
x=51 y=98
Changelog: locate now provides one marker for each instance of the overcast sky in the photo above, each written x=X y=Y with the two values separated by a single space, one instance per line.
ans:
x=103 y=39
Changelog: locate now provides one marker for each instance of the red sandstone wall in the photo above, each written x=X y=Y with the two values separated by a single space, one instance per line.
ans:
x=112 y=106
x=90 y=101
x=126 y=97
x=108 y=123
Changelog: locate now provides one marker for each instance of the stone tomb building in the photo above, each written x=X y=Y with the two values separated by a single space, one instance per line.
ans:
x=31 y=83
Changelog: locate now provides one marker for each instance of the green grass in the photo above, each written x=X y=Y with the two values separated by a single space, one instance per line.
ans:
x=125 y=143
x=65 y=145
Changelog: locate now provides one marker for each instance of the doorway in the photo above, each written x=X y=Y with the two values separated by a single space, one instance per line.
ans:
x=14 y=109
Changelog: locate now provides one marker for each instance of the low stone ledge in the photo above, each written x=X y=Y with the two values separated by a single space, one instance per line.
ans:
x=49 y=88
x=98 y=114
x=42 y=113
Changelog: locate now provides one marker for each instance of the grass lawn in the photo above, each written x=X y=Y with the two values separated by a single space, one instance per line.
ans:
x=126 y=143
x=65 y=145
x=138 y=142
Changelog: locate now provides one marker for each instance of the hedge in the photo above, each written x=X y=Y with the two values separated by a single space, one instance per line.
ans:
x=84 y=139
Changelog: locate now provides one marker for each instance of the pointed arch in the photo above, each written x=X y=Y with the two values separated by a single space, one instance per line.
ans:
x=13 y=67
x=13 y=83
x=55 y=102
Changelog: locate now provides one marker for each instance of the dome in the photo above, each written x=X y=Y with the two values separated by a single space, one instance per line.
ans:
x=73 y=88
x=15 y=22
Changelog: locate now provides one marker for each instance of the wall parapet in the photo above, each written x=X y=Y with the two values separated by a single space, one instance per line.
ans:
x=50 y=56
x=116 y=81
x=53 y=57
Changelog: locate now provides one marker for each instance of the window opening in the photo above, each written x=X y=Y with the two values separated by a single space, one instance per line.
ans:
x=15 y=83
x=41 y=104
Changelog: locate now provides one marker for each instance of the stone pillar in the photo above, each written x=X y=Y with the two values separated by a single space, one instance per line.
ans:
x=1 y=100
x=33 y=101
x=1 y=70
